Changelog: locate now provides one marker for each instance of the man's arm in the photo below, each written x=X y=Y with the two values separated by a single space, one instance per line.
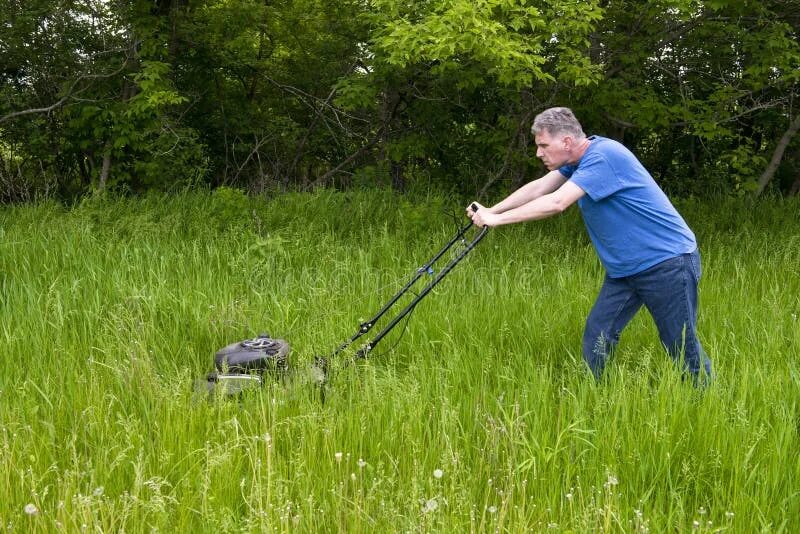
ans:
x=530 y=191
x=538 y=208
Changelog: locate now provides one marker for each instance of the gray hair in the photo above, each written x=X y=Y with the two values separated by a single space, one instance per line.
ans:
x=558 y=121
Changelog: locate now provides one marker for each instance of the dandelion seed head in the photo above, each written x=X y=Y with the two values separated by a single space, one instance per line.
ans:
x=31 y=509
x=568 y=496
x=438 y=473
x=338 y=456
x=98 y=491
x=430 y=506
x=492 y=509
x=361 y=463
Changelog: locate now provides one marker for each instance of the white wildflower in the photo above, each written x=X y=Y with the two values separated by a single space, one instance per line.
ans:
x=338 y=456
x=361 y=463
x=430 y=506
x=438 y=473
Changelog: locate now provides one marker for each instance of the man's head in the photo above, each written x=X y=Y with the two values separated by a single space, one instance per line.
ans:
x=559 y=137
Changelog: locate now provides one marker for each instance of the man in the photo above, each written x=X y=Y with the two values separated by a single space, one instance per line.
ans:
x=649 y=253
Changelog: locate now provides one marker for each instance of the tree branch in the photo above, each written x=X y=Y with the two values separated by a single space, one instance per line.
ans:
x=311 y=127
x=69 y=96
x=777 y=155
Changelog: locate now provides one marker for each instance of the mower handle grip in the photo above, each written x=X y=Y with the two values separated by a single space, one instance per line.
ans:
x=474 y=208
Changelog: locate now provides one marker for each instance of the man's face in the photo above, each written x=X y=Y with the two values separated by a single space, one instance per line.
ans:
x=553 y=150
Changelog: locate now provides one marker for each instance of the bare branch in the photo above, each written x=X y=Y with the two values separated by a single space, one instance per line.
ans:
x=71 y=94
x=47 y=109
x=252 y=153
x=299 y=151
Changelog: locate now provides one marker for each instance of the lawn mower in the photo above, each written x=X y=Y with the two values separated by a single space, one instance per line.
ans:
x=247 y=364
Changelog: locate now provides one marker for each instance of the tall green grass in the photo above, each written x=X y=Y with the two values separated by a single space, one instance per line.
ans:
x=481 y=418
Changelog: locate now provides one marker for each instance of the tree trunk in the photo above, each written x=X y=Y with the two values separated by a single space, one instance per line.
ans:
x=795 y=189
x=105 y=169
x=769 y=172
x=398 y=176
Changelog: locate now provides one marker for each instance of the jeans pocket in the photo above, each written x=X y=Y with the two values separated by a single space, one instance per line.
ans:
x=695 y=265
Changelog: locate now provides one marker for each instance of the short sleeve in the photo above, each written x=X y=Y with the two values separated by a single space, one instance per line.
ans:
x=567 y=170
x=595 y=176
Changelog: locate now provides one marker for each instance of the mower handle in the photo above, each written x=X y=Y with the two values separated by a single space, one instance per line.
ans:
x=425 y=269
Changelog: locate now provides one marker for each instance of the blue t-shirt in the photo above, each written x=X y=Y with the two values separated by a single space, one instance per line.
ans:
x=630 y=220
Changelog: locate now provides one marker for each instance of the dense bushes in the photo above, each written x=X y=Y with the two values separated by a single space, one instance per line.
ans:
x=137 y=96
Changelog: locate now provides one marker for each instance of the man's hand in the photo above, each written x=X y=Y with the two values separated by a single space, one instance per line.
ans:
x=483 y=216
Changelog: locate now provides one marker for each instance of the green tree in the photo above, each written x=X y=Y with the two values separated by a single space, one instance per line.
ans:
x=702 y=89
x=140 y=94
x=455 y=82
x=87 y=98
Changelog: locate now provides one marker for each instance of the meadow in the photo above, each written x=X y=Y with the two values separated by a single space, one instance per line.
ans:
x=478 y=415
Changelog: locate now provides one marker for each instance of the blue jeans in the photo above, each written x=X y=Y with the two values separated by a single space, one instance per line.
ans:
x=669 y=291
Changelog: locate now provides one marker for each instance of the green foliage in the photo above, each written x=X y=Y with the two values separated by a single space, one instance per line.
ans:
x=460 y=73
x=743 y=164
x=503 y=39
x=713 y=78
x=142 y=95
x=229 y=208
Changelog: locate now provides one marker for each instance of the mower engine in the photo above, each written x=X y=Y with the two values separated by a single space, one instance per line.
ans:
x=241 y=365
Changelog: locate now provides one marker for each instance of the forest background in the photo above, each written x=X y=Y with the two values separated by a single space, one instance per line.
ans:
x=264 y=95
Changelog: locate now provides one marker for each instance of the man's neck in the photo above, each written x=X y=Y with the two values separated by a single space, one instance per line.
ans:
x=580 y=150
